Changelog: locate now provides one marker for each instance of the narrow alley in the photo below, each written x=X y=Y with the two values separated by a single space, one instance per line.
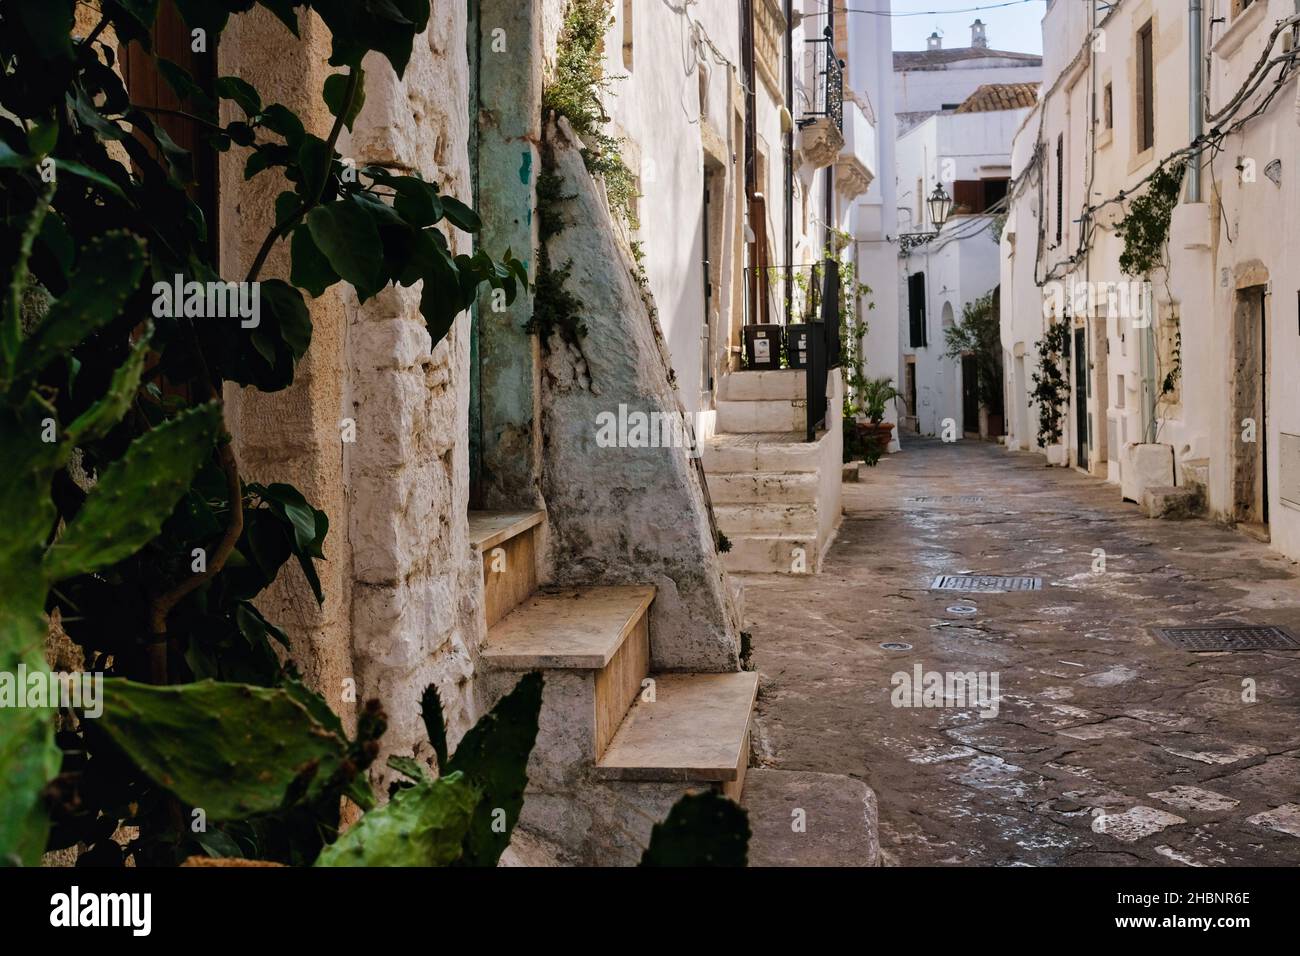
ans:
x=1108 y=747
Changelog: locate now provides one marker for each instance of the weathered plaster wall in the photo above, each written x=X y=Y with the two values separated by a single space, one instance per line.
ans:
x=624 y=515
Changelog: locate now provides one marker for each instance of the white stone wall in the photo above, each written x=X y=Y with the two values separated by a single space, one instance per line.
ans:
x=401 y=607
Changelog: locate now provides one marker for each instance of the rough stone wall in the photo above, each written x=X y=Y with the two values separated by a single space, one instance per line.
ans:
x=292 y=435
x=624 y=515
x=400 y=581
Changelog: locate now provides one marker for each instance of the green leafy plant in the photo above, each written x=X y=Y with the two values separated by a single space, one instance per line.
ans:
x=980 y=335
x=466 y=815
x=1051 y=390
x=125 y=508
x=876 y=394
x=575 y=92
x=1145 y=227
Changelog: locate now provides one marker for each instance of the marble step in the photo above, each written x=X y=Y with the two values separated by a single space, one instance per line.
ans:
x=507 y=543
x=696 y=729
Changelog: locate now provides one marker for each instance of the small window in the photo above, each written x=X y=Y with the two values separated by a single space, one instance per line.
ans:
x=1146 y=104
x=627 y=34
x=1108 y=106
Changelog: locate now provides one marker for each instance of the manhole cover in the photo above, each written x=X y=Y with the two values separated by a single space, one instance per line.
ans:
x=895 y=646
x=984 y=582
x=961 y=609
x=958 y=499
x=1227 y=637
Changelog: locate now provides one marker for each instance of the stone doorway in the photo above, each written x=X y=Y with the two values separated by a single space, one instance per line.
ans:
x=1249 y=431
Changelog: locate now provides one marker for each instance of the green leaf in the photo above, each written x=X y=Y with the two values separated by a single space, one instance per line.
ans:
x=107 y=273
x=231 y=749
x=422 y=825
x=241 y=91
x=493 y=755
x=345 y=232
x=702 y=829
x=408 y=767
x=310 y=270
x=135 y=495
x=431 y=711
x=82 y=171
x=416 y=201
x=46 y=26
x=336 y=88
x=282 y=120
x=460 y=215
x=100 y=418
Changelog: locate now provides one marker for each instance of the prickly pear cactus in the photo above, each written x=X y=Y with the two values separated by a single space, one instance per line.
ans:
x=494 y=756
x=423 y=825
x=122 y=513
x=702 y=829
x=231 y=749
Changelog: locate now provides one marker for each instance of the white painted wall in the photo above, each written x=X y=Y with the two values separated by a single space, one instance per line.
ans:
x=1250 y=240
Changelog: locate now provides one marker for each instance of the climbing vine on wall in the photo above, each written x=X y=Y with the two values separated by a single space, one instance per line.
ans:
x=575 y=93
x=1145 y=227
x=1051 y=389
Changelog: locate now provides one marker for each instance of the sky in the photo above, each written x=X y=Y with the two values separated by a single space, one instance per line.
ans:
x=1015 y=27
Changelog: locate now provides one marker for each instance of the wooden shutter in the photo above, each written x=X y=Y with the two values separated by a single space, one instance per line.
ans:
x=916 y=309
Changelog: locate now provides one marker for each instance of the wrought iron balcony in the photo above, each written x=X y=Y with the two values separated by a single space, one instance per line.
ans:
x=828 y=85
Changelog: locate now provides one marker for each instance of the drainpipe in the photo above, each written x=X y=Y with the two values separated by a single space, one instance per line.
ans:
x=1196 y=88
x=789 y=162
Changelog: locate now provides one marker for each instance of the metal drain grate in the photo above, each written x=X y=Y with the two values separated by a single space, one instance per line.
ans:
x=984 y=582
x=1228 y=637
x=949 y=499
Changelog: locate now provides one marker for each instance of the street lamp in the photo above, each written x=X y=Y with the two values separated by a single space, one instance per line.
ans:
x=940 y=204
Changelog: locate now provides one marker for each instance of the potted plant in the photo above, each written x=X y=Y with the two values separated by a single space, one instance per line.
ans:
x=875 y=432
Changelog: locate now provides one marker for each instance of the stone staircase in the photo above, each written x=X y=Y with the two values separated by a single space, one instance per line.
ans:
x=617 y=744
x=776 y=495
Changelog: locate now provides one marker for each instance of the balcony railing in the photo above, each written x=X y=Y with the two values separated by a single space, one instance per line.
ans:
x=828 y=85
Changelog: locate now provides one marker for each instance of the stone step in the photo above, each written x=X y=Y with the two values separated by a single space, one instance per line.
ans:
x=766 y=519
x=763 y=487
x=786 y=384
x=507 y=542
x=762 y=415
x=594 y=645
x=761 y=451
x=838 y=814
x=695 y=730
x=569 y=628
x=776 y=553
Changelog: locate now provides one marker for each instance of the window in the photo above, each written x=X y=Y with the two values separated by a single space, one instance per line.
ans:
x=916 y=309
x=1146 y=131
x=974 y=196
x=1060 y=187
x=627 y=34
x=1108 y=106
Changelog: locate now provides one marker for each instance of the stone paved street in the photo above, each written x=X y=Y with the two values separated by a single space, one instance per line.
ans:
x=1108 y=748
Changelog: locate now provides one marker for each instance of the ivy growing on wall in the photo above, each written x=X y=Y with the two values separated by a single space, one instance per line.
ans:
x=1145 y=228
x=1051 y=389
x=575 y=93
